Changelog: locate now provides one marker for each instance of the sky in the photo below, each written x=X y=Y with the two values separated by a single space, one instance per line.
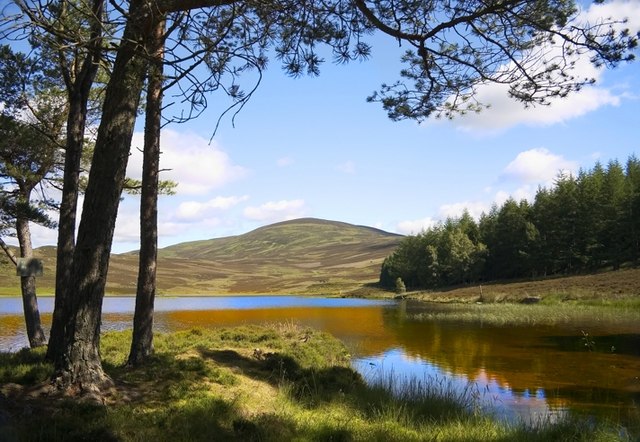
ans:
x=313 y=147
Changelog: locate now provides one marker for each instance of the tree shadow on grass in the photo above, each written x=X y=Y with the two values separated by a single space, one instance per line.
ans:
x=152 y=402
x=309 y=386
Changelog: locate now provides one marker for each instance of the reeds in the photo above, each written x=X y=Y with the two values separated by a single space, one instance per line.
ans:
x=536 y=314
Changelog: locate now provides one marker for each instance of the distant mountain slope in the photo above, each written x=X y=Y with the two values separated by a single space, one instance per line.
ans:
x=294 y=240
x=293 y=256
x=301 y=256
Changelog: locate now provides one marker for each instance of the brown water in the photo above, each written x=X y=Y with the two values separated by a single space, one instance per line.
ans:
x=523 y=372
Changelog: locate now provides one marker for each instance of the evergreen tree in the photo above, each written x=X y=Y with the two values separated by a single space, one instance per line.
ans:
x=556 y=218
x=590 y=218
x=487 y=230
x=514 y=240
x=615 y=229
x=30 y=156
x=632 y=209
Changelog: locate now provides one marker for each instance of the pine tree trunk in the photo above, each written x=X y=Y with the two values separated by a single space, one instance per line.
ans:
x=142 y=341
x=78 y=365
x=76 y=122
x=35 y=333
x=67 y=221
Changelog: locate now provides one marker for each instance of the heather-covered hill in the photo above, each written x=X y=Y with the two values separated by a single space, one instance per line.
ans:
x=300 y=256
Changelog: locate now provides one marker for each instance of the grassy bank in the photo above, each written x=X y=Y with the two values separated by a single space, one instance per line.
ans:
x=275 y=383
x=611 y=286
x=548 y=311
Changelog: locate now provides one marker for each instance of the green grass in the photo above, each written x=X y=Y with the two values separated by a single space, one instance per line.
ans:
x=549 y=311
x=24 y=367
x=275 y=383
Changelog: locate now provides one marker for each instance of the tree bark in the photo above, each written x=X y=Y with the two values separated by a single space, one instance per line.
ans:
x=142 y=341
x=78 y=366
x=67 y=221
x=35 y=333
x=79 y=89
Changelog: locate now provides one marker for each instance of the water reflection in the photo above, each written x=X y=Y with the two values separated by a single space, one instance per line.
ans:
x=526 y=372
x=482 y=391
x=522 y=365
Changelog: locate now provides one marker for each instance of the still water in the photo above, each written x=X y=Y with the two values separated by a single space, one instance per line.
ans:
x=532 y=373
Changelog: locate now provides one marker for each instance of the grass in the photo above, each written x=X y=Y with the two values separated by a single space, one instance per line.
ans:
x=613 y=286
x=274 y=383
x=556 y=301
x=548 y=311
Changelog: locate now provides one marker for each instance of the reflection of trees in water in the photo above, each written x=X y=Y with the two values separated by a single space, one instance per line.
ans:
x=459 y=348
x=525 y=359
x=618 y=343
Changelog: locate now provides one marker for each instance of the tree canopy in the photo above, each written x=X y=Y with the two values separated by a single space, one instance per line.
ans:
x=31 y=121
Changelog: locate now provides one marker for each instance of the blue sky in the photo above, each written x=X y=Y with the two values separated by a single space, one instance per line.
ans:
x=313 y=147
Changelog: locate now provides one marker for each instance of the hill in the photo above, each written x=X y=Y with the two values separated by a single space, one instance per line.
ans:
x=301 y=256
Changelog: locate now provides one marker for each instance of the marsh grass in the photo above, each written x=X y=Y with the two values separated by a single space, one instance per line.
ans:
x=209 y=385
x=547 y=312
x=435 y=396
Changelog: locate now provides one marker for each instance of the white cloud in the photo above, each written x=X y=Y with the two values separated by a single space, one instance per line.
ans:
x=529 y=169
x=500 y=197
x=455 y=210
x=196 y=210
x=190 y=220
x=505 y=112
x=620 y=8
x=414 y=227
x=197 y=166
x=127 y=227
x=538 y=166
x=41 y=235
x=274 y=211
